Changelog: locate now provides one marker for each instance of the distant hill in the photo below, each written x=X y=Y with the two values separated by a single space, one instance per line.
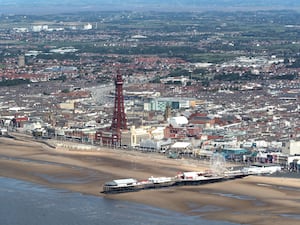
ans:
x=46 y=6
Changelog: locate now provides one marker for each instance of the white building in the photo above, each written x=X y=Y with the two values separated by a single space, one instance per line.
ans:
x=292 y=148
x=39 y=28
x=157 y=133
x=134 y=136
x=88 y=26
x=178 y=121
x=3 y=131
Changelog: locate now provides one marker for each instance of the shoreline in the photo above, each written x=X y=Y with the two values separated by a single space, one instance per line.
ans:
x=251 y=200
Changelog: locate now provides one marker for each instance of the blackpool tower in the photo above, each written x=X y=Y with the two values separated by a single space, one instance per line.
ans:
x=112 y=136
x=119 y=121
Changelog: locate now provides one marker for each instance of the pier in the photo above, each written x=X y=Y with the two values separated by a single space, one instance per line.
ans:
x=187 y=178
x=182 y=179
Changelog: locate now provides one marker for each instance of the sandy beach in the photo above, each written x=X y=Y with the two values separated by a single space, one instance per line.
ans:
x=257 y=200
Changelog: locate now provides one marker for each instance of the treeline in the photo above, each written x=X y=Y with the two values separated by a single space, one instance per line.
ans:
x=295 y=64
x=59 y=57
x=7 y=83
x=249 y=76
x=285 y=77
x=236 y=77
x=142 y=50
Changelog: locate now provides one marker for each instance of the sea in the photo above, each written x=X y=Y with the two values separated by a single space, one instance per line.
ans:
x=24 y=203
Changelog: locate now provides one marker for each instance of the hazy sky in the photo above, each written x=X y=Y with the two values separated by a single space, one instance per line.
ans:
x=48 y=6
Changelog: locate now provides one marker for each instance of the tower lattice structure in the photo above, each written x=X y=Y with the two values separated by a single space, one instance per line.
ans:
x=119 y=121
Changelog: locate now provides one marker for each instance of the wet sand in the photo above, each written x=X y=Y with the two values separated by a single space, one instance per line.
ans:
x=251 y=200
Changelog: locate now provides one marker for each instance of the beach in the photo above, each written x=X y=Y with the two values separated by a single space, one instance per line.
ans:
x=259 y=200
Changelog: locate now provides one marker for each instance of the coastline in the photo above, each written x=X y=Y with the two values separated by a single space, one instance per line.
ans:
x=251 y=200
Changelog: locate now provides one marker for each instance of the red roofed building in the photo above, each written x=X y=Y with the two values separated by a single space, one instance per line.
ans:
x=19 y=122
x=201 y=119
x=182 y=132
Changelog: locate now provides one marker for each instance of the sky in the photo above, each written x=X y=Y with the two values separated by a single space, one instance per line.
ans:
x=47 y=6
